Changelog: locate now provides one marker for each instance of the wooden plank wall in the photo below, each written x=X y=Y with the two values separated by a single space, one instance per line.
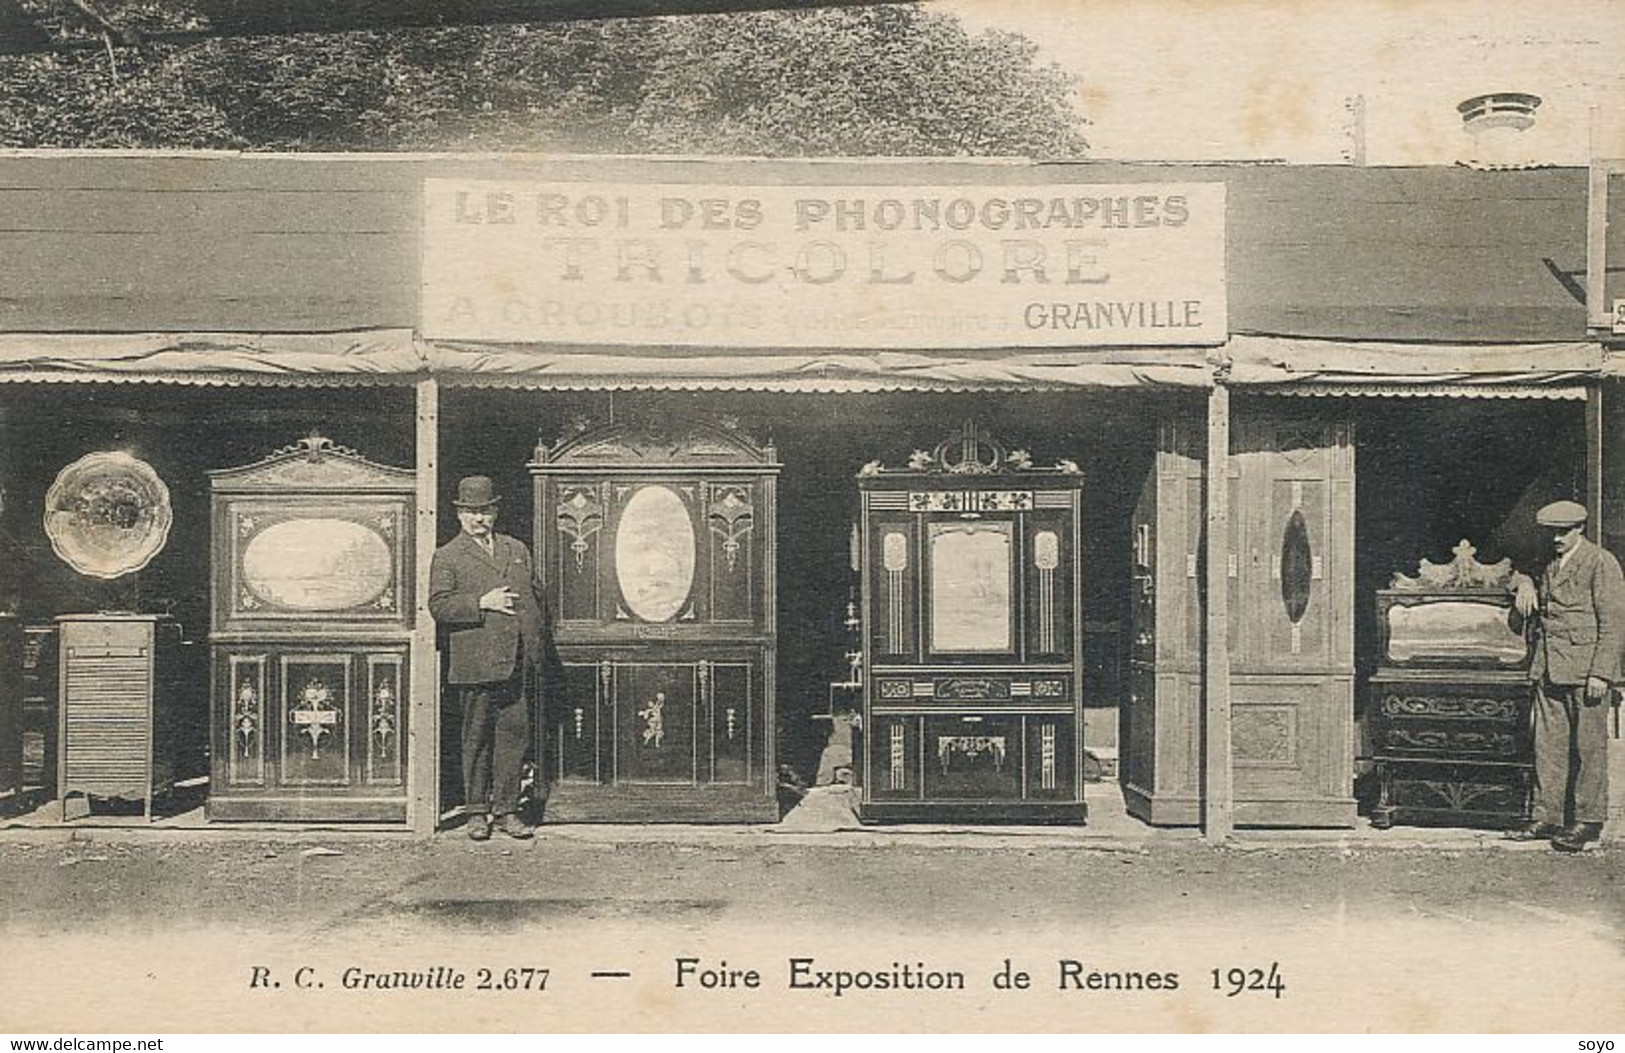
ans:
x=298 y=243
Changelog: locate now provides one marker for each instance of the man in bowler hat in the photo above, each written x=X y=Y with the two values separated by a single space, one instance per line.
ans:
x=1577 y=662
x=483 y=588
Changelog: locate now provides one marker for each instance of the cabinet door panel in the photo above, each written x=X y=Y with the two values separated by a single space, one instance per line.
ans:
x=973 y=758
x=729 y=697
x=586 y=686
x=577 y=545
x=895 y=574
x=1051 y=756
x=1048 y=564
x=894 y=758
x=656 y=722
x=730 y=520
x=386 y=719
x=314 y=709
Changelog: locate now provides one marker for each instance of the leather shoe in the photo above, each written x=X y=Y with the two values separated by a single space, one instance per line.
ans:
x=515 y=827
x=1536 y=831
x=479 y=827
x=1576 y=837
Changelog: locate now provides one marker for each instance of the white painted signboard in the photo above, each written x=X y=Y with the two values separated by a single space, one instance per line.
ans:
x=872 y=267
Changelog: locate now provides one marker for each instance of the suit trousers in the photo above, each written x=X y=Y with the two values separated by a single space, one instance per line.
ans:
x=496 y=734
x=1571 y=754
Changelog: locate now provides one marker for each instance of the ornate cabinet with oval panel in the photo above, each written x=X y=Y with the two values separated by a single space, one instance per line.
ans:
x=656 y=541
x=311 y=636
x=972 y=702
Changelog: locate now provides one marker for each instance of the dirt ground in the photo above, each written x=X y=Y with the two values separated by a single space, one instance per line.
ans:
x=1382 y=938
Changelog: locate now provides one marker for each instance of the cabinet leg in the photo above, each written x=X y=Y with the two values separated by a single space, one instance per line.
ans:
x=1382 y=816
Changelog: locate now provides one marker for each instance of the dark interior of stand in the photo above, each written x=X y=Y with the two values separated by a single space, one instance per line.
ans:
x=1430 y=473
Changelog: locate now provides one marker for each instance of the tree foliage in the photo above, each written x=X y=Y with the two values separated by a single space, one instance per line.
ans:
x=888 y=80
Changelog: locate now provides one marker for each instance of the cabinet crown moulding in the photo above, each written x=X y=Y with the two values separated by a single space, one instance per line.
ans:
x=971 y=451
x=1464 y=572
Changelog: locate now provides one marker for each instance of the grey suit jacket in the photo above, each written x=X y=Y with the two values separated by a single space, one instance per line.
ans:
x=1582 y=618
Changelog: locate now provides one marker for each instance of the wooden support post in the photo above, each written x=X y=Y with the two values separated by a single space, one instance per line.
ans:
x=1218 y=790
x=1597 y=307
x=1595 y=498
x=423 y=807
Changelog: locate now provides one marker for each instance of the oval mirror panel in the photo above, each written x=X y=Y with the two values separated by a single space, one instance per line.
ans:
x=654 y=554
x=1297 y=567
x=317 y=565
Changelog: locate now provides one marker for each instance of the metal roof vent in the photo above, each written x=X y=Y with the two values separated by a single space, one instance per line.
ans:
x=1496 y=122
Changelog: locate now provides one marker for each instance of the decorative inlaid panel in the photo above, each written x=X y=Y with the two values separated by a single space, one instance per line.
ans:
x=974 y=757
x=656 y=723
x=1264 y=734
x=245 y=765
x=1455 y=742
x=1466 y=707
x=315 y=732
x=727 y=689
x=385 y=720
x=971 y=688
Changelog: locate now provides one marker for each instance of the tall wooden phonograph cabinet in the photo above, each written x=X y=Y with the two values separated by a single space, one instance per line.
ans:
x=972 y=700
x=656 y=541
x=1290 y=575
x=312 y=615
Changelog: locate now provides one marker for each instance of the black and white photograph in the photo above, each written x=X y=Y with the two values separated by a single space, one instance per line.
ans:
x=749 y=516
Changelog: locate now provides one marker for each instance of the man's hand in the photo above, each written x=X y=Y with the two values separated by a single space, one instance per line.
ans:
x=499 y=599
x=1596 y=689
x=1524 y=596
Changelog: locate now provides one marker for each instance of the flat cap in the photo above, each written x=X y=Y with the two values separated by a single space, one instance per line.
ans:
x=1561 y=514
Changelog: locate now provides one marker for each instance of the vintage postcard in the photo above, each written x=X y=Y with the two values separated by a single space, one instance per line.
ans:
x=964 y=516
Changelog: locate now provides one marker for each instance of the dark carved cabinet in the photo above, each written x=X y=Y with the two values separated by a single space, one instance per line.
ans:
x=972 y=643
x=1449 y=708
x=11 y=710
x=656 y=544
x=311 y=640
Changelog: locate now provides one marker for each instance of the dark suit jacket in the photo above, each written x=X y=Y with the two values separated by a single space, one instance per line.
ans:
x=486 y=645
x=1582 y=618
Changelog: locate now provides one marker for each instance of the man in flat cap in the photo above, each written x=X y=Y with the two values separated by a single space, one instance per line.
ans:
x=483 y=588
x=1577 y=661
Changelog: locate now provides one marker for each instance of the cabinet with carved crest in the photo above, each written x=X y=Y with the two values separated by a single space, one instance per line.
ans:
x=312 y=616
x=1448 y=714
x=972 y=702
x=656 y=543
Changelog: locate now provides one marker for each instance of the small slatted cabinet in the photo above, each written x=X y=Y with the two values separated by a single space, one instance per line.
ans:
x=972 y=670
x=122 y=722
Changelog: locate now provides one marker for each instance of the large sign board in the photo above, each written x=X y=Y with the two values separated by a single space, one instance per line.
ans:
x=870 y=267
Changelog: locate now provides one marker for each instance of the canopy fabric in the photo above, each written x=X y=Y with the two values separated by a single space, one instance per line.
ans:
x=1279 y=365
x=560 y=368
x=370 y=356
x=1301 y=366
x=1613 y=362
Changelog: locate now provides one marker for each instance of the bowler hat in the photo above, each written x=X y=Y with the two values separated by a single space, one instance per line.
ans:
x=1561 y=514
x=476 y=491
